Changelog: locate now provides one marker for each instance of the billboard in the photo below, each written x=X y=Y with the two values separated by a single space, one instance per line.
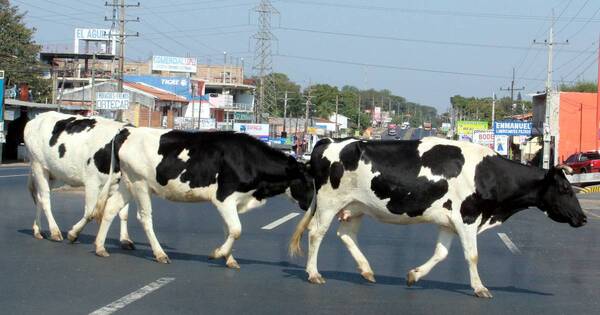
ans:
x=178 y=85
x=112 y=100
x=466 y=127
x=175 y=64
x=484 y=138
x=512 y=128
x=260 y=131
x=95 y=34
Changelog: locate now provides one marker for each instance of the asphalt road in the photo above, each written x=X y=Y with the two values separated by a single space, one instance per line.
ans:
x=556 y=271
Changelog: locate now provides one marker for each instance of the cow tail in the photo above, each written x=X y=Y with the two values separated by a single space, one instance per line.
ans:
x=294 y=247
x=104 y=193
x=32 y=188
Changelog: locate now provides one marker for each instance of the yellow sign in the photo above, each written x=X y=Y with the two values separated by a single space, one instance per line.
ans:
x=465 y=127
x=312 y=130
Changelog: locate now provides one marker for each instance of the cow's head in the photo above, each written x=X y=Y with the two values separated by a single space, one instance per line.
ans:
x=558 y=200
x=302 y=187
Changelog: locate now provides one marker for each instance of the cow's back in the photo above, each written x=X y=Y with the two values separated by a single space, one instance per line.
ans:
x=70 y=147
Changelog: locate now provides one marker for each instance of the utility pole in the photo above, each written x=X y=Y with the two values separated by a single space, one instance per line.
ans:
x=358 y=115
x=121 y=19
x=547 y=134
x=337 y=129
x=372 y=109
x=598 y=100
x=306 y=111
x=285 y=100
x=93 y=106
x=512 y=87
x=493 y=109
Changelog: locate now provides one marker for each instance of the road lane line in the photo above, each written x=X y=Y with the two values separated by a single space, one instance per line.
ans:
x=279 y=222
x=511 y=246
x=18 y=175
x=589 y=212
x=132 y=297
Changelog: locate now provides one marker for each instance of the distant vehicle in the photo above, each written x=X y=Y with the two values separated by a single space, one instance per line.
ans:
x=376 y=137
x=427 y=126
x=392 y=129
x=405 y=125
x=584 y=162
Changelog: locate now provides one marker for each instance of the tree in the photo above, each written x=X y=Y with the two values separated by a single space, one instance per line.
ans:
x=581 y=86
x=19 y=52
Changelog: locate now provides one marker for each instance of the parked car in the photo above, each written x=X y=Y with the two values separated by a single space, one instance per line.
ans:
x=584 y=162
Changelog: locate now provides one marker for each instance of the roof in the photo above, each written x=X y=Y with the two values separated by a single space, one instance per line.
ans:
x=47 y=57
x=159 y=94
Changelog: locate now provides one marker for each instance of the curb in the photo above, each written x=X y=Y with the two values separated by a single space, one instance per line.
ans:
x=590 y=189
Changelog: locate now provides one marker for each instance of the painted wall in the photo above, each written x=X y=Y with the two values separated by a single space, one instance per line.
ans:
x=577 y=121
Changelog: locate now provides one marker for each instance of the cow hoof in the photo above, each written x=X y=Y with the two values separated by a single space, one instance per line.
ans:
x=72 y=237
x=57 y=237
x=163 y=259
x=38 y=236
x=368 y=276
x=233 y=265
x=102 y=253
x=316 y=279
x=483 y=293
x=411 y=278
x=127 y=245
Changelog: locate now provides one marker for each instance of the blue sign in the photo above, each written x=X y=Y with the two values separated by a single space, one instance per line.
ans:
x=512 y=128
x=178 y=85
x=2 y=98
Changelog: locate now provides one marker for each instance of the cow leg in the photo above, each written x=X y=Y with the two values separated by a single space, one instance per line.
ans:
x=468 y=238
x=126 y=242
x=442 y=247
x=142 y=195
x=347 y=233
x=41 y=180
x=318 y=226
x=228 y=211
x=116 y=202
x=91 y=196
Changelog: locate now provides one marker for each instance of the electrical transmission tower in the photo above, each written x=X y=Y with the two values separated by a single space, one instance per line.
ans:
x=263 y=60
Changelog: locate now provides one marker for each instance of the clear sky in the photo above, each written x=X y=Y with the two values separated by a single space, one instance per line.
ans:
x=423 y=50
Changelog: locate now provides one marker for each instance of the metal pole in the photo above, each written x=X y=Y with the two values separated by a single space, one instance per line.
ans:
x=546 y=152
x=285 y=99
x=358 y=116
x=598 y=99
x=93 y=105
x=493 y=109
x=337 y=127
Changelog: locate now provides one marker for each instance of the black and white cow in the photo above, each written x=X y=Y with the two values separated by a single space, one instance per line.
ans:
x=236 y=172
x=462 y=187
x=74 y=150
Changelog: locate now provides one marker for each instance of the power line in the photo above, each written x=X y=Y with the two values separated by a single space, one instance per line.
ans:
x=473 y=74
x=430 y=12
x=585 y=24
x=573 y=18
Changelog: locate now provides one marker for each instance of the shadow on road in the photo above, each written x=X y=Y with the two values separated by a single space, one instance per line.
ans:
x=355 y=278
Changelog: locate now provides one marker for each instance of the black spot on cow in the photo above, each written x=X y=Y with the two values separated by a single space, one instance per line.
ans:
x=320 y=165
x=88 y=161
x=335 y=174
x=398 y=164
x=103 y=156
x=444 y=160
x=236 y=162
x=61 y=150
x=70 y=125
x=448 y=204
x=350 y=155
x=498 y=196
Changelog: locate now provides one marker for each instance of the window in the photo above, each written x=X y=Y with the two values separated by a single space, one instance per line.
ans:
x=572 y=159
x=592 y=155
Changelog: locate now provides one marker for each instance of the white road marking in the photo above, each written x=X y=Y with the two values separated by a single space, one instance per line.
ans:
x=279 y=222
x=18 y=175
x=511 y=246
x=132 y=297
x=591 y=213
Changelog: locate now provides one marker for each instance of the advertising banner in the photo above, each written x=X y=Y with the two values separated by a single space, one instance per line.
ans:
x=260 y=131
x=174 y=64
x=484 y=138
x=177 y=85
x=95 y=34
x=466 y=127
x=112 y=100
x=512 y=128
x=501 y=144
